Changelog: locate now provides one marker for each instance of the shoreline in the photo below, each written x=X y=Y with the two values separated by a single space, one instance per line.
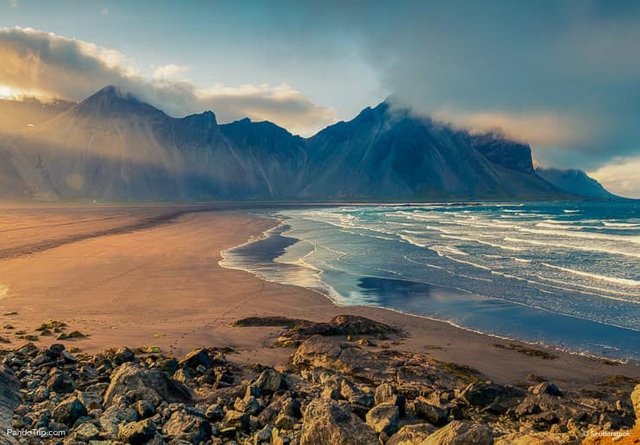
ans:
x=321 y=291
x=161 y=285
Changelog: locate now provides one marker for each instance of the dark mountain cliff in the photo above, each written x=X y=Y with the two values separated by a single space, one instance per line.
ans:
x=575 y=182
x=501 y=151
x=390 y=153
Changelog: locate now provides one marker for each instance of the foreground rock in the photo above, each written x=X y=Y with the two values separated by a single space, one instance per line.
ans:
x=151 y=385
x=635 y=400
x=337 y=389
x=9 y=398
x=326 y=422
x=461 y=433
x=299 y=330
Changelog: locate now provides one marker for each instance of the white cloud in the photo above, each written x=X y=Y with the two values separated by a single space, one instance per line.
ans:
x=620 y=176
x=48 y=65
x=540 y=129
x=171 y=70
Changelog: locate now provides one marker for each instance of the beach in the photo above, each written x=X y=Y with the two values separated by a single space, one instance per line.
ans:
x=149 y=277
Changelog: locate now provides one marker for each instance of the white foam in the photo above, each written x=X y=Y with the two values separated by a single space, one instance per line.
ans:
x=486 y=243
x=470 y=263
x=444 y=250
x=412 y=240
x=623 y=225
x=584 y=235
x=616 y=280
x=604 y=293
x=591 y=248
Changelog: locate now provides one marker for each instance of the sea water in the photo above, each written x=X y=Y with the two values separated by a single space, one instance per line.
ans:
x=563 y=274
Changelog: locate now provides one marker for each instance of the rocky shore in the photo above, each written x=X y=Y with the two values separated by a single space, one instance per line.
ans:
x=344 y=384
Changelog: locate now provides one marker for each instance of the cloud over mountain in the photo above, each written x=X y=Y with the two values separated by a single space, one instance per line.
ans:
x=561 y=75
x=48 y=65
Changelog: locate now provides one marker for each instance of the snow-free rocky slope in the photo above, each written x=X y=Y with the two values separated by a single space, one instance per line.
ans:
x=576 y=182
x=114 y=147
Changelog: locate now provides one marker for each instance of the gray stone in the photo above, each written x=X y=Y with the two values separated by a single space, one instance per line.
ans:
x=188 y=427
x=86 y=431
x=429 y=412
x=327 y=423
x=249 y=405
x=412 y=434
x=9 y=397
x=69 y=410
x=61 y=383
x=137 y=383
x=546 y=388
x=270 y=380
x=383 y=418
x=384 y=393
x=264 y=435
x=197 y=357
x=90 y=400
x=214 y=412
x=461 y=433
x=137 y=433
x=114 y=416
x=635 y=400
x=481 y=394
x=144 y=408
x=285 y=422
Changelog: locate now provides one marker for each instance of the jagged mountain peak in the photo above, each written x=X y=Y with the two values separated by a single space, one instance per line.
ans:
x=266 y=128
x=206 y=120
x=114 y=101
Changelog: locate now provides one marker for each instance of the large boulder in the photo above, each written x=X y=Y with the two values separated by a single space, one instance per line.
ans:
x=86 y=432
x=183 y=426
x=356 y=325
x=137 y=383
x=90 y=400
x=343 y=357
x=339 y=325
x=197 y=357
x=546 y=388
x=429 y=412
x=387 y=393
x=461 y=433
x=635 y=400
x=412 y=434
x=69 y=410
x=269 y=381
x=10 y=398
x=325 y=422
x=137 y=433
x=482 y=394
x=113 y=417
x=383 y=418
x=61 y=383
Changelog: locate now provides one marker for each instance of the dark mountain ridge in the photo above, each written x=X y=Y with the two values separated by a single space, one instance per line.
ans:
x=575 y=181
x=114 y=147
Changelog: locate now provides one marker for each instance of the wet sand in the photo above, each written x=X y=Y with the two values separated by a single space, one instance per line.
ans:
x=149 y=276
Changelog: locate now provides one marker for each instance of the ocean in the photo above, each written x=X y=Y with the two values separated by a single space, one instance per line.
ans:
x=565 y=274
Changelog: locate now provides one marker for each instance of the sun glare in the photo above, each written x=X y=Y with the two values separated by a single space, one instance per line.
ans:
x=11 y=93
x=8 y=93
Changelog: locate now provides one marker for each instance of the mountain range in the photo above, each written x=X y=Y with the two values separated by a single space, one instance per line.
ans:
x=114 y=147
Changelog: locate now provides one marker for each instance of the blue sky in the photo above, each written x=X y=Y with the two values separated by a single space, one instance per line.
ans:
x=561 y=75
